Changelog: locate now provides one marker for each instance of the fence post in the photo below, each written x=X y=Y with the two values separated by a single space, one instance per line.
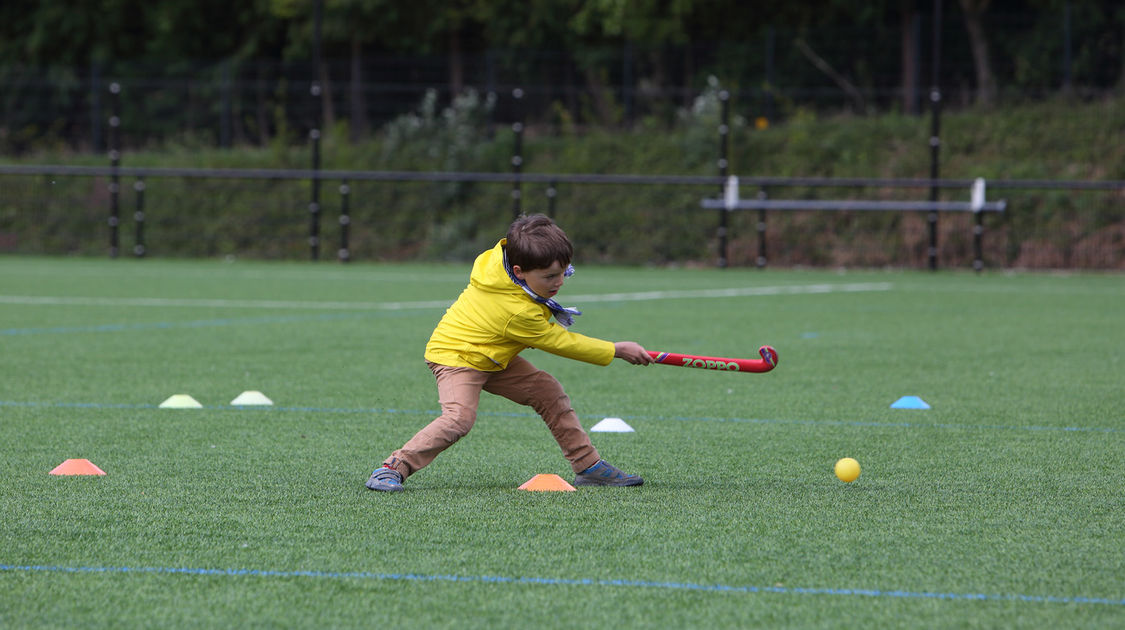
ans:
x=761 y=261
x=114 y=163
x=344 y=255
x=724 y=145
x=552 y=194
x=517 y=154
x=314 y=202
x=977 y=201
x=139 y=218
x=935 y=134
x=314 y=135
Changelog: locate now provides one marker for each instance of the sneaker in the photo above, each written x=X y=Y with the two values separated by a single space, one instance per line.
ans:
x=385 y=480
x=605 y=474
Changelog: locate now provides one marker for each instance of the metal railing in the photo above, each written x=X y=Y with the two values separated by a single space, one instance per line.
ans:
x=977 y=205
x=761 y=202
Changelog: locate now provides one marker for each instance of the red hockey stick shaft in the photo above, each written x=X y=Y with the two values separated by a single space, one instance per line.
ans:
x=765 y=364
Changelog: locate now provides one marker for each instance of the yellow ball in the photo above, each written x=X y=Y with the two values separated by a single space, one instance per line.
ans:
x=847 y=469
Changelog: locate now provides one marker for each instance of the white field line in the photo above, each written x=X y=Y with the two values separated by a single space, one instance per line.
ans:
x=643 y=296
x=800 y=289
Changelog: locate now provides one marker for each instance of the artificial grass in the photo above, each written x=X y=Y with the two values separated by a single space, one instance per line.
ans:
x=1000 y=506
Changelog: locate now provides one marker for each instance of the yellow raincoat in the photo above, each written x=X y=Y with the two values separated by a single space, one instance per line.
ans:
x=494 y=320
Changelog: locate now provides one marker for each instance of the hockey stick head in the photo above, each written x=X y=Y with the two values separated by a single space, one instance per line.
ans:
x=769 y=355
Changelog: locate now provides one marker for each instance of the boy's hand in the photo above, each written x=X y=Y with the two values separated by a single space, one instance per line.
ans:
x=631 y=352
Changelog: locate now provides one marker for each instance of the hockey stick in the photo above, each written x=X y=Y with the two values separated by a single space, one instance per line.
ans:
x=765 y=364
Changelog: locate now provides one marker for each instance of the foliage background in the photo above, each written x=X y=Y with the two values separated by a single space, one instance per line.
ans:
x=225 y=74
x=602 y=86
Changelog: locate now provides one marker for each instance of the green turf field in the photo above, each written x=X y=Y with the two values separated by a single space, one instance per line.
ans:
x=1001 y=506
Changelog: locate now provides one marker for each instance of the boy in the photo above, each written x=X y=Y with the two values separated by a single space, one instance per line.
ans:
x=505 y=309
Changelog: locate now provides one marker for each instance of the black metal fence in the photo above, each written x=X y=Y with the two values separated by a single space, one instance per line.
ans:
x=256 y=211
x=825 y=222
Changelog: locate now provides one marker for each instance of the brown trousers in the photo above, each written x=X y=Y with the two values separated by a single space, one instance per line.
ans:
x=459 y=394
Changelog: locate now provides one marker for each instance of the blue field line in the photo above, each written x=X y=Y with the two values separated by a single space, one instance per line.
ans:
x=515 y=414
x=541 y=581
x=891 y=425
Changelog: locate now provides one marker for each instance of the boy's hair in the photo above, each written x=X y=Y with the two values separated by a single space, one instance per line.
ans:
x=535 y=242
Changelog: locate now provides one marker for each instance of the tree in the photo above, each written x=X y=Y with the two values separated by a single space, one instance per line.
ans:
x=911 y=73
x=973 y=12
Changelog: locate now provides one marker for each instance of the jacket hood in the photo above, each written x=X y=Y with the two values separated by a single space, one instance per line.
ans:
x=488 y=272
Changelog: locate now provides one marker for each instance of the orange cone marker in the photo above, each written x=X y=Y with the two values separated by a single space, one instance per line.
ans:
x=77 y=467
x=547 y=483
